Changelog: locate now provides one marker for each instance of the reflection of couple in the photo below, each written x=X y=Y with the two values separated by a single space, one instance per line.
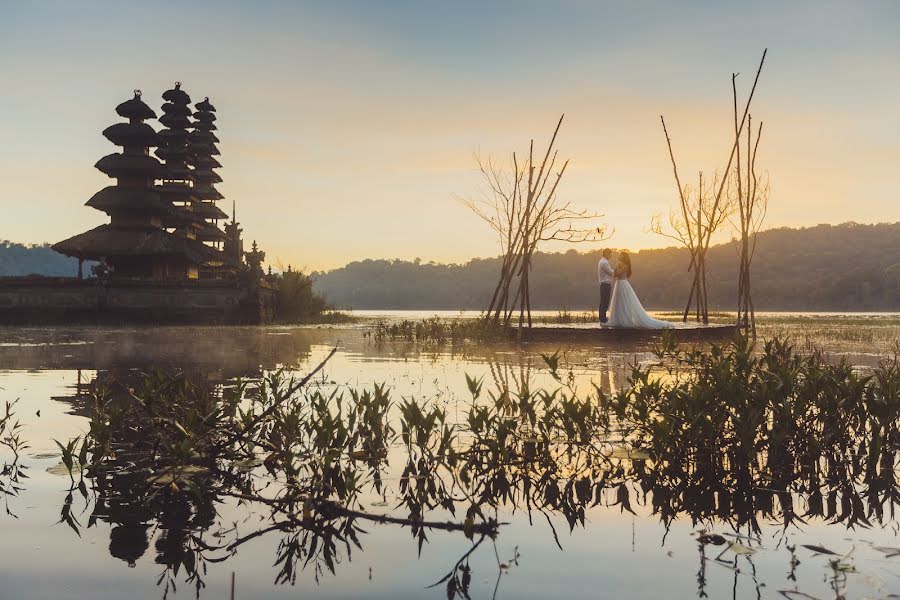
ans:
x=618 y=297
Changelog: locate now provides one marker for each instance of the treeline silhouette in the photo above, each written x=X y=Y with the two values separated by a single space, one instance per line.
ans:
x=826 y=267
x=842 y=267
x=34 y=259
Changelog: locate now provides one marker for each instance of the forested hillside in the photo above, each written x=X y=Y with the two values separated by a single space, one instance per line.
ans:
x=21 y=259
x=843 y=267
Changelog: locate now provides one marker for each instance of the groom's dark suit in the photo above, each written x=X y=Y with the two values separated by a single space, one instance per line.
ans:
x=605 y=275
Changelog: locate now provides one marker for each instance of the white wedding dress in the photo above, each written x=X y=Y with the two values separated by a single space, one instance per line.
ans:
x=627 y=312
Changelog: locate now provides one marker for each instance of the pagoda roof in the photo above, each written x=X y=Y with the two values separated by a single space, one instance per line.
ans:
x=206 y=149
x=174 y=152
x=117 y=165
x=205 y=191
x=175 y=121
x=173 y=136
x=135 y=108
x=173 y=188
x=183 y=216
x=109 y=240
x=207 y=177
x=205 y=105
x=119 y=199
x=203 y=136
x=205 y=116
x=204 y=161
x=171 y=108
x=181 y=173
x=208 y=210
x=132 y=134
x=204 y=126
x=210 y=233
x=176 y=95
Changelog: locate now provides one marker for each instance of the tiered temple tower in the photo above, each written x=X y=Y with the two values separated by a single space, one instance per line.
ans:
x=134 y=245
x=177 y=178
x=203 y=149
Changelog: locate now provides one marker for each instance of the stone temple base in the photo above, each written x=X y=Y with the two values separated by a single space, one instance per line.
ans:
x=52 y=300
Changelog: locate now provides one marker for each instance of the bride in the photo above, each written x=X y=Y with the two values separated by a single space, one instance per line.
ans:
x=625 y=307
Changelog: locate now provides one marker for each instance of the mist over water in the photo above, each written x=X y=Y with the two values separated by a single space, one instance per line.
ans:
x=49 y=370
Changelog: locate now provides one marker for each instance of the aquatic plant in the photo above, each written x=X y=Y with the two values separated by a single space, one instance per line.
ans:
x=13 y=471
x=733 y=435
x=435 y=330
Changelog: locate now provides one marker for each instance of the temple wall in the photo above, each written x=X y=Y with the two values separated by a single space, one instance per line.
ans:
x=37 y=300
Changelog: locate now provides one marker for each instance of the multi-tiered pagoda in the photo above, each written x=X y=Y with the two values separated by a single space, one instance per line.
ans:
x=203 y=152
x=162 y=258
x=177 y=178
x=134 y=244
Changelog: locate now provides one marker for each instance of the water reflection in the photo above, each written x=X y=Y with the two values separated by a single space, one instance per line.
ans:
x=510 y=451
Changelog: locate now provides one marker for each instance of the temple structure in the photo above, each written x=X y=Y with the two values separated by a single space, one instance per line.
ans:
x=177 y=178
x=162 y=257
x=134 y=244
x=203 y=152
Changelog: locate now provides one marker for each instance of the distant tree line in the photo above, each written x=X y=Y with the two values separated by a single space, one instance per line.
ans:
x=35 y=259
x=843 y=267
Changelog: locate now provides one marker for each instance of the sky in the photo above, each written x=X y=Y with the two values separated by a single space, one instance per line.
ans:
x=349 y=129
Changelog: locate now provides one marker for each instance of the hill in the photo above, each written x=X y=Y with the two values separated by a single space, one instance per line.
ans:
x=842 y=267
x=826 y=267
x=21 y=259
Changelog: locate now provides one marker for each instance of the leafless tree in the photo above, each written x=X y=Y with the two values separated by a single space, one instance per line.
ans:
x=703 y=212
x=752 y=201
x=520 y=203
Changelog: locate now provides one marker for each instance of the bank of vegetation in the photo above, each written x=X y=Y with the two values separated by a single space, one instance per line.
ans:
x=847 y=267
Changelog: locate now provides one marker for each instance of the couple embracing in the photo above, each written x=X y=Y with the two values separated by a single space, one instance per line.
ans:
x=618 y=298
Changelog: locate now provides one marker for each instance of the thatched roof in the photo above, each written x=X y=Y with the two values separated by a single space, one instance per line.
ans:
x=206 y=149
x=207 y=177
x=207 y=192
x=210 y=233
x=172 y=189
x=205 y=162
x=183 y=216
x=116 y=165
x=208 y=210
x=131 y=134
x=176 y=95
x=203 y=137
x=138 y=201
x=203 y=126
x=135 y=108
x=173 y=136
x=109 y=241
x=173 y=121
x=180 y=110
x=204 y=116
x=205 y=106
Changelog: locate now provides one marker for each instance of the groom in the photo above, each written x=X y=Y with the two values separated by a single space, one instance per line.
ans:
x=605 y=274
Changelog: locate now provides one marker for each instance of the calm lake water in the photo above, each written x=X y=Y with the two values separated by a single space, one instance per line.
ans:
x=616 y=554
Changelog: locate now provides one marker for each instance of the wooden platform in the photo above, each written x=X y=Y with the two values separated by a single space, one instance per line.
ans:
x=587 y=333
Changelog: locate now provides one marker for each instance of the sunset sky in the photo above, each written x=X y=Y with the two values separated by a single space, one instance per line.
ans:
x=348 y=128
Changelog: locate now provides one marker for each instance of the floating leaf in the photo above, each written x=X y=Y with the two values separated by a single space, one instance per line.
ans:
x=712 y=538
x=740 y=549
